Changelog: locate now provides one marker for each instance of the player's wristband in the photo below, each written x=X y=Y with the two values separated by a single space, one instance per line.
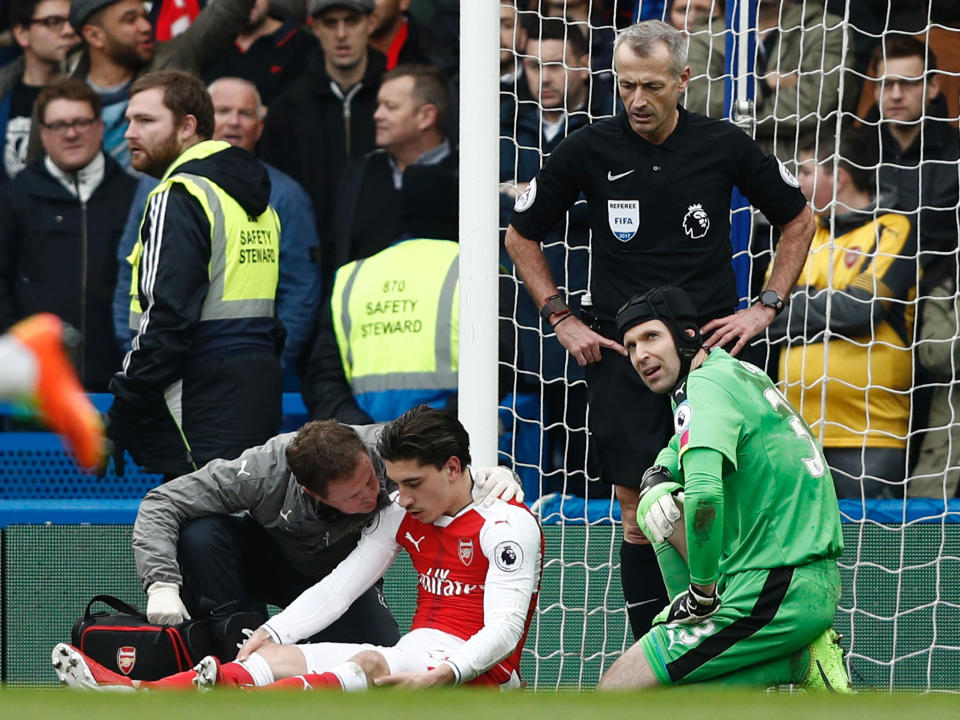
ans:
x=562 y=318
x=554 y=305
x=456 y=671
x=705 y=601
x=274 y=635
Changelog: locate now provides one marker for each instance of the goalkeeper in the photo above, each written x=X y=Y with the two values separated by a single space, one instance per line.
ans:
x=743 y=516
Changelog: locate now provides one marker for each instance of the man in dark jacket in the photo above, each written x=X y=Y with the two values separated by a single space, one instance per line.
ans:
x=202 y=379
x=404 y=39
x=270 y=52
x=41 y=30
x=60 y=222
x=411 y=106
x=326 y=117
x=918 y=149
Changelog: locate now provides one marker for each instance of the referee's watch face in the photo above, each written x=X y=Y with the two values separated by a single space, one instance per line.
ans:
x=650 y=90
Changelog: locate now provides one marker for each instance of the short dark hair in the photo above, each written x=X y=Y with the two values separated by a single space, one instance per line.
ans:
x=429 y=436
x=899 y=45
x=554 y=28
x=21 y=12
x=322 y=452
x=68 y=88
x=855 y=153
x=183 y=94
x=429 y=86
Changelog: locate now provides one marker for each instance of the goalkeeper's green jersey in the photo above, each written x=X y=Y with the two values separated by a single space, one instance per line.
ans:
x=778 y=506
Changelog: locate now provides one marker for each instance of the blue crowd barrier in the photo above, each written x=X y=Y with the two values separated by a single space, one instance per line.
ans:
x=557 y=508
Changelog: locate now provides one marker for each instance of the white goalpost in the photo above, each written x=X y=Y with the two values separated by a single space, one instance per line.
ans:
x=900 y=610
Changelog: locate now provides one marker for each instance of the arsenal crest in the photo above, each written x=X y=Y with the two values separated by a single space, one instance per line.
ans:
x=465 y=550
x=851 y=256
x=126 y=659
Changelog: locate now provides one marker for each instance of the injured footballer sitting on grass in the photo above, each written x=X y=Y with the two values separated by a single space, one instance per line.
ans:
x=478 y=573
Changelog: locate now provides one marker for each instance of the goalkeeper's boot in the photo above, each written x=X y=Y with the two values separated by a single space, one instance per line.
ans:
x=827 y=670
x=58 y=397
x=76 y=670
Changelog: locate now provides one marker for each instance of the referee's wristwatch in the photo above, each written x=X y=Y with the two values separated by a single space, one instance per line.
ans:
x=772 y=299
x=554 y=305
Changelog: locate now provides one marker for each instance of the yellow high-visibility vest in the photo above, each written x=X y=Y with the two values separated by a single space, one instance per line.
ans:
x=244 y=250
x=396 y=316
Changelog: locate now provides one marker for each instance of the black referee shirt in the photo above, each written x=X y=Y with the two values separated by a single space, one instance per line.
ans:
x=659 y=214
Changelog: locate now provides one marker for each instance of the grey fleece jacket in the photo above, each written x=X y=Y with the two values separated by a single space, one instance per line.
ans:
x=314 y=538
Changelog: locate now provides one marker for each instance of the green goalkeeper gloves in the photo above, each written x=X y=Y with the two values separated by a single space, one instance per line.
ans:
x=658 y=511
x=689 y=608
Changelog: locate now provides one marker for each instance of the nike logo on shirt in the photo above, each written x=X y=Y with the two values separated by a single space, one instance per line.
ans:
x=611 y=177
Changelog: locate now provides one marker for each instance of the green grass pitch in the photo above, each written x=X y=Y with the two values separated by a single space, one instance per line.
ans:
x=694 y=703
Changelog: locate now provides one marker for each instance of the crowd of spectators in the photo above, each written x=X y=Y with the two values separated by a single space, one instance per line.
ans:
x=342 y=99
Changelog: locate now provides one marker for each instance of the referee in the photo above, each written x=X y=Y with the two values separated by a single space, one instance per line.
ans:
x=658 y=183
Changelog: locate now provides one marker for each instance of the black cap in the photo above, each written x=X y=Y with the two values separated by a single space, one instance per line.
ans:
x=80 y=10
x=315 y=7
x=430 y=197
x=669 y=304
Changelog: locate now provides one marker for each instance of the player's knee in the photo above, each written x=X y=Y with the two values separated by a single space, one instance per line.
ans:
x=633 y=535
x=374 y=664
x=632 y=532
x=284 y=660
x=628 y=499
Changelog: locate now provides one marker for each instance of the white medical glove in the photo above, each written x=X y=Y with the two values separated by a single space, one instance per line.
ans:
x=164 y=606
x=492 y=483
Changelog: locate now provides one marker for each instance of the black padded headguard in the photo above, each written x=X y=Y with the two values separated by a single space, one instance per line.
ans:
x=674 y=307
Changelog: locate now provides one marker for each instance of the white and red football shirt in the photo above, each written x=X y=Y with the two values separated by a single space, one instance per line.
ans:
x=478 y=574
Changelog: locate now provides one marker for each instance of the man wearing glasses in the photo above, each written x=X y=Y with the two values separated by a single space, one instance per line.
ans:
x=918 y=145
x=45 y=37
x=60 y=222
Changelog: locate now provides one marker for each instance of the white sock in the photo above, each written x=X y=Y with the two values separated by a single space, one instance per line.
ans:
x=351 y=676
x=259 y=670
x=19 y=376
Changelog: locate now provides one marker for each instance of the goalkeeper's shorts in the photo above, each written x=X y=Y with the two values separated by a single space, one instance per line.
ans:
x=764 y=615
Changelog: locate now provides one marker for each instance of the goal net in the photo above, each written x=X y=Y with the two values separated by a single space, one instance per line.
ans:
x=795 y=76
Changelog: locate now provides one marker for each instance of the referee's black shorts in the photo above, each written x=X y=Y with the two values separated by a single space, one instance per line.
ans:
x=629 y=424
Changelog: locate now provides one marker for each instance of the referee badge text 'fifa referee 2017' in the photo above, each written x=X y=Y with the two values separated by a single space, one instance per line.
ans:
x=624 y=218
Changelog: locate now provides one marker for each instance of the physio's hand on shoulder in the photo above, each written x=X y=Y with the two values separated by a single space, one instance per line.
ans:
x=439 y=676
x=742 y=326
x=491 y=483
x=582 y=342
x=164 y=606
x=257 y=640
